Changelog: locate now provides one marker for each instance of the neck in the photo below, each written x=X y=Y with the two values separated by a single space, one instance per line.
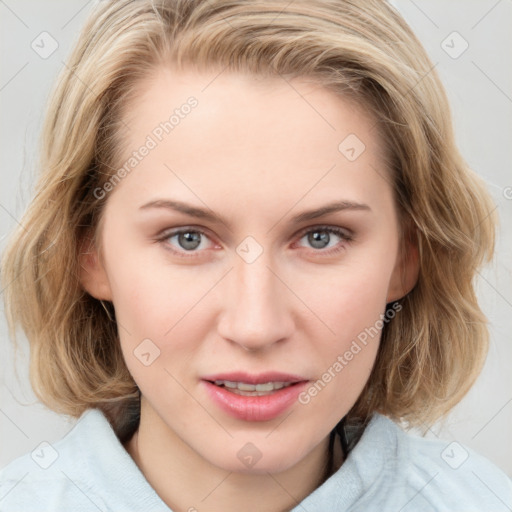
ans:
x=185 y=481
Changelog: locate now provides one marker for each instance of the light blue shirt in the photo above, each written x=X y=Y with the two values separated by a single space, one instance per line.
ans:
x=387 y=470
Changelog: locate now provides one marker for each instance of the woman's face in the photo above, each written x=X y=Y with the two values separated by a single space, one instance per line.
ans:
x=260 y=279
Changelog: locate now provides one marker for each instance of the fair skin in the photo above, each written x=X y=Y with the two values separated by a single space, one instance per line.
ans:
x=256 y=153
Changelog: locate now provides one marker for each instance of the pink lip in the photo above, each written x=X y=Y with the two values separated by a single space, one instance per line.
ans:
x=254 y=408
x=260 y=378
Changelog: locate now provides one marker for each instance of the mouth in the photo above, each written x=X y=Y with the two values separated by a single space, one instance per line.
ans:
x=254 y=397
x=246 y=389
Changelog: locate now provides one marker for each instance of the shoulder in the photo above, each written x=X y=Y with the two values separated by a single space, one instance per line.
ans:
x=54 y=475
x=433 y=474
x=87 y=470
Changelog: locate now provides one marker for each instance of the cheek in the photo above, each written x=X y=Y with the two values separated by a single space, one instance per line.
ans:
x=347 y=299
x=158 y=308
x=360 y=302
x=162 y=323
x=353 y=308
x=345 y=359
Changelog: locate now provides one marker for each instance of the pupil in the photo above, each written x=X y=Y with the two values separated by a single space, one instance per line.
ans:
x=319 y=239
x=189 y=240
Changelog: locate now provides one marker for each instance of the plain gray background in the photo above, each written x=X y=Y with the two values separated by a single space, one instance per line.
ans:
x=479 y=85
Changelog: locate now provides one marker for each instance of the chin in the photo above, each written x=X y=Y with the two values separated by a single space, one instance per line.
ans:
x=260 y=467
x=250 y=460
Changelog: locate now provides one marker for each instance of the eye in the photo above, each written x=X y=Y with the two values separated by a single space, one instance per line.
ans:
x=189 y=242
x=186 y=240
x=325 y=237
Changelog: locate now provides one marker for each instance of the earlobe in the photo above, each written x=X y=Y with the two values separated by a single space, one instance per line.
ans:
x=93 y=276
x=406 y=271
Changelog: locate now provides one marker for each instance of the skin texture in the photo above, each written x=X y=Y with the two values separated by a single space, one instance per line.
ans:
x=256 y=151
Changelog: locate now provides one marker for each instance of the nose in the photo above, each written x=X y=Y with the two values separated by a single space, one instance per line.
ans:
x=257 y=310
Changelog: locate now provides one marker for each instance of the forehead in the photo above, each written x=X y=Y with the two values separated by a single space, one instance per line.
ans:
x=248 y=106
x=246 y=136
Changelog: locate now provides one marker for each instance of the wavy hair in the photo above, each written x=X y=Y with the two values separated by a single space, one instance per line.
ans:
x=432 y=351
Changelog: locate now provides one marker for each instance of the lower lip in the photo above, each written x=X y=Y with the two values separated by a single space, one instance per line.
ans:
x=254 y=408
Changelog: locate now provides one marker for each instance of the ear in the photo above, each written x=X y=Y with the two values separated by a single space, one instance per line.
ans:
x=93 y=276
x=407 y=268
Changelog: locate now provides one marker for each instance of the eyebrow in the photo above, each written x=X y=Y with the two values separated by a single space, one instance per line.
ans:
x=207 y=214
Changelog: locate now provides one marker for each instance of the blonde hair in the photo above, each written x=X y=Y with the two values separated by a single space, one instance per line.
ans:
x=429 y=354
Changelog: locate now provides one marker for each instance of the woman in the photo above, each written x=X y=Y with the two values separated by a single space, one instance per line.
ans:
x=250 y=256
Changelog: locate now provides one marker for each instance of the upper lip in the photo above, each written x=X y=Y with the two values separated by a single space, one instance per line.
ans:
x=259 y=378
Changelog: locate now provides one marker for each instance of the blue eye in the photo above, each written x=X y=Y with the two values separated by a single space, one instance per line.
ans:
x=189 y=242
x=188 y=239
x=321 y=238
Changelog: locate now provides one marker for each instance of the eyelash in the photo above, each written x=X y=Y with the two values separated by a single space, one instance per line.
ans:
x=342 y=233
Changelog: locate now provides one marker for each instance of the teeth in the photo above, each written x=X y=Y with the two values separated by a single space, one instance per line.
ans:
x=243 y=388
